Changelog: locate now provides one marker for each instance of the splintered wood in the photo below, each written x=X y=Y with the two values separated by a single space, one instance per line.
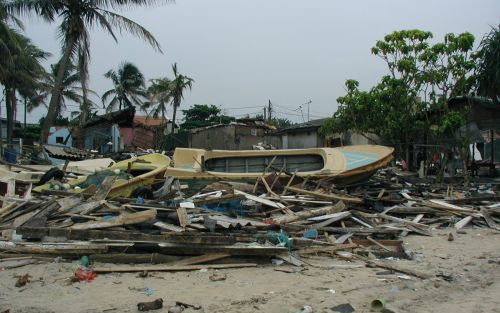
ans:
x=280 y=215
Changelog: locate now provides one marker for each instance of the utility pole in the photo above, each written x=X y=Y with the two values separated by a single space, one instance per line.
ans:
x=265 y=114
x=270 y=110
x=309 y=102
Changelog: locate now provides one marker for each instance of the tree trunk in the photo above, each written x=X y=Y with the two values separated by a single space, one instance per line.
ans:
x=1 y=133
x=173 y=125
x=10 y=96
x=56 y=91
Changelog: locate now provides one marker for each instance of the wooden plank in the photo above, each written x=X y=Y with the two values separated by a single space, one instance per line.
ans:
x=401 y=269
x=121 y=220
x=290 y=259
x=328 y=249
x=339 y=206
x=289 y=181
x=183 y=217
x=343 y=238
x=269 y=190
x=259 y=200
x=170 y=268
x=466 y=220
x=336 y=216
x=66 y=203
x=169 y=227
x=417 y=219
x=201 y=259
x=370 y=239
x=487 y=217
x=325 y=196
x=79 y=249
x=263 y=173
x=381 y=194
x=401 y=220
x=438 y=204
x=104 y=188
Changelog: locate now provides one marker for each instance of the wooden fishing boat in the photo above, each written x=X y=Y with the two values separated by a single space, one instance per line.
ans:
x=141 y=171
x=348 y=164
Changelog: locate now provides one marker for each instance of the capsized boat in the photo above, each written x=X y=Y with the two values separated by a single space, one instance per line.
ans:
x=132 y=174
x=347 y=164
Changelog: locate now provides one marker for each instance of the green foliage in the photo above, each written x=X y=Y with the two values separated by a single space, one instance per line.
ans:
x=77 y=19
x=488 y=69
x=202 y=115
x=450 y=122
x=280 y=122
x=277 y=122
x=413 y=96
x=128 y=87
x=59 y=121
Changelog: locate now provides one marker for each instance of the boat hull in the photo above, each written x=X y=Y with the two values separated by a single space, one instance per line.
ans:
x=355 y=162
x=151 y=167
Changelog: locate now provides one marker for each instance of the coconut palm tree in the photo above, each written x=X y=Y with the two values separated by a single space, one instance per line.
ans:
x=129 y=87
x=159 y=97
x=22 y=77
x=78 y=17
x=488 y=69
x=177 y=87
x=71 y=90
x=8 y=37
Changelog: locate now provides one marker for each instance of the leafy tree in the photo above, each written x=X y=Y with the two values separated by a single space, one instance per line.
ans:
x=202 y=115
x=413 y=96
x=128 y=87
x=488 y=69
x=276 y=121
x=22 y=77
x=177 y=87
x=159 y=97
x=77 y=18
x=71 y=90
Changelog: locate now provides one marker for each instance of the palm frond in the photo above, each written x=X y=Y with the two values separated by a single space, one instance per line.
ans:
x=123 y=23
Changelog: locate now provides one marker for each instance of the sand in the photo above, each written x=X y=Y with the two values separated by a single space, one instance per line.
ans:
x=470 y=262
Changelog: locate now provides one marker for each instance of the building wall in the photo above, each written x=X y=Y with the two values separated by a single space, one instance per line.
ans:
x=98 y=138
x=301 y=140
x=351 y=139
x=57 y=134
x=232 y=137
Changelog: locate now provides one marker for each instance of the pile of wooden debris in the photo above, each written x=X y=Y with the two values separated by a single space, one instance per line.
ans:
x=234 y=224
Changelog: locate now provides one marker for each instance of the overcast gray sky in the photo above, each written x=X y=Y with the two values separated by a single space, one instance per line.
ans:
x=242 y=53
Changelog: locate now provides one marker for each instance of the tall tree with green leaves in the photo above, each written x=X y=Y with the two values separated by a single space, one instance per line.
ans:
x=71 y=90
x=202 y=115
x=488 y=69
x=128 y=87
x=159 y=97
x=78 y=17
x=413 y=96
x=23 y=77
x=177 y=87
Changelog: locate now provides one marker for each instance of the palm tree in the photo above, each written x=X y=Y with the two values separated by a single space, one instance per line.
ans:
x=159 y=97
x=70 y=90
x=129 y=85
x=77 y=18
x=177 y=87
x=488 y=70
x=23 y=76
x=8 y=38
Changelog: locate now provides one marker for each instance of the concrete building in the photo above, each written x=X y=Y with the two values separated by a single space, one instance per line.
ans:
x=60 y=136
x=239 y=135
